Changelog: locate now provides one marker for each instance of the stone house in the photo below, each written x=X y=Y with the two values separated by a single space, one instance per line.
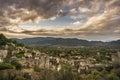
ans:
x=1 y=60
x=3 y=53
x=29 y=55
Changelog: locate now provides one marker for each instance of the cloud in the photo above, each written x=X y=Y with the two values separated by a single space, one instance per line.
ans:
x=92 y=18
x=77 y=23
x=15 y=12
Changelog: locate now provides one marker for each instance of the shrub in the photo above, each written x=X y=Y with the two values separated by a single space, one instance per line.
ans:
x=5 y=66
x=112 y=76
x=16 y=64
x=20 y=54
x=19 y=78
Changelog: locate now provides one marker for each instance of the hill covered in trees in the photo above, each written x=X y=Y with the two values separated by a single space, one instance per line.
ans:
x=49 y=41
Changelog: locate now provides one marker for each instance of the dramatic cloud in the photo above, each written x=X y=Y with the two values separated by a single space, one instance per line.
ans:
x=89 y=19
x=13 y=12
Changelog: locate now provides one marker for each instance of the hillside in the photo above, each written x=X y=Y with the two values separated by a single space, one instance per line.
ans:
x=18 y=62
x=49 y=41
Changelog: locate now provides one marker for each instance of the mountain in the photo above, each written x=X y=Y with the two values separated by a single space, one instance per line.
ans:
x=50 y=41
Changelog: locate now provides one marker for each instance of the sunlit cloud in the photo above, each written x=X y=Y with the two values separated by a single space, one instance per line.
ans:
x=85 y=19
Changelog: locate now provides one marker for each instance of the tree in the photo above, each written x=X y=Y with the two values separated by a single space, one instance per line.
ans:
x=3 y=40
x=16 y=64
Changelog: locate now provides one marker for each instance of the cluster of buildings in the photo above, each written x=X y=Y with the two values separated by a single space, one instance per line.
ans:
x=34 y=58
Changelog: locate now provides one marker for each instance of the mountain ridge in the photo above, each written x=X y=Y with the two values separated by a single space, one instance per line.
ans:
x=50 y=41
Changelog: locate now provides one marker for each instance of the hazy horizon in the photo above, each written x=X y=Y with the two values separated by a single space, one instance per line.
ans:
x=62 y=38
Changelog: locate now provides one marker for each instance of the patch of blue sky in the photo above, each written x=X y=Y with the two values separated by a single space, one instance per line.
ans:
x=59 y=22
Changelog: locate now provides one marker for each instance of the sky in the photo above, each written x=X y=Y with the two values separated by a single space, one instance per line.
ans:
x=83 y=19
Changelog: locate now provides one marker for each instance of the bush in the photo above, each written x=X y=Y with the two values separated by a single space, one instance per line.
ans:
x=16 y=64
x=67 y=74
x=19 y=78
x=20 y=54
x=5 y=66
x=37 y=69
x=112 y=76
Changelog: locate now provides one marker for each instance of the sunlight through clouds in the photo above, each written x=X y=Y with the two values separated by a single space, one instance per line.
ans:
x=61 y=18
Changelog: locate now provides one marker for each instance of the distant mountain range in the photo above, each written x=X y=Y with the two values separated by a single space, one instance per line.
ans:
x=49 y=41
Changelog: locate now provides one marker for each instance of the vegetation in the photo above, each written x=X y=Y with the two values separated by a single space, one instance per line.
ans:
x=76 y=51
x=49 y=41
x=20 y=54
x=64 y=74
x=5 y=66
x=67 y=74
x=3 y=40
x=37 y=69
x=12 y=69
x=103 y=75
x=16 y=64
x=17 y=43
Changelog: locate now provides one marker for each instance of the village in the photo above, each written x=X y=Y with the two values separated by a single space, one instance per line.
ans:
x=29 y=59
